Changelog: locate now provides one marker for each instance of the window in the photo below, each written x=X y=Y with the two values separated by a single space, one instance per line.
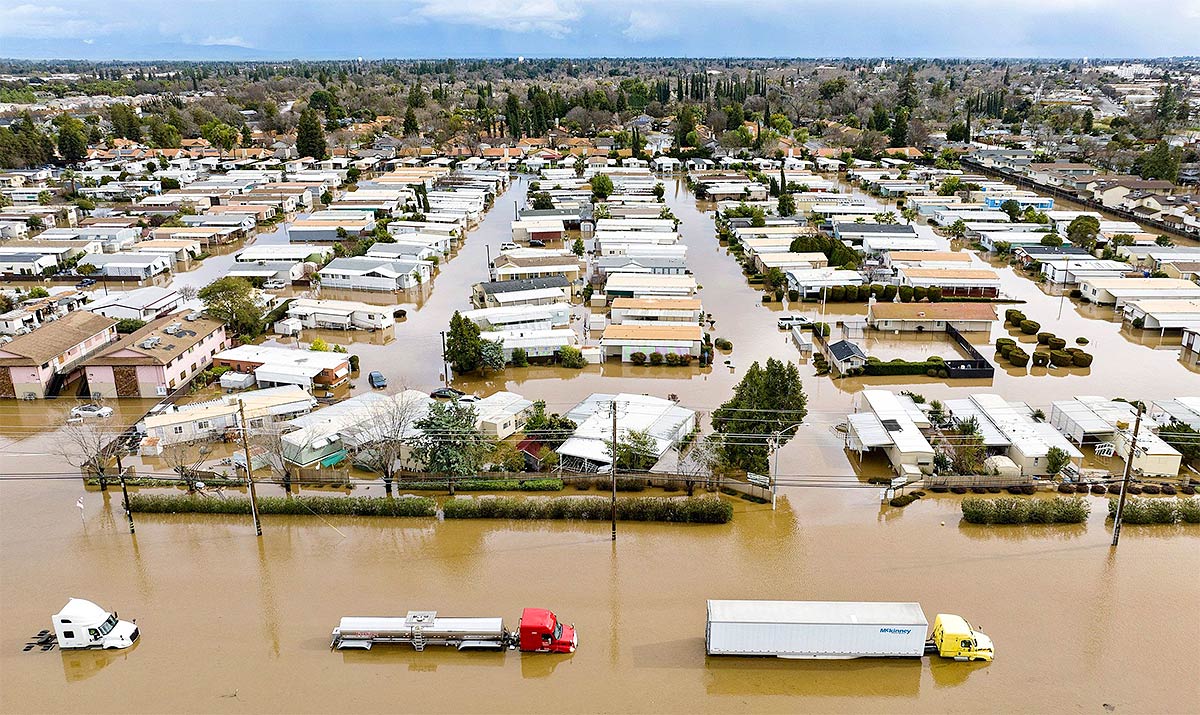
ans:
x=68 y=634
x=203 y=424
x=177 y=430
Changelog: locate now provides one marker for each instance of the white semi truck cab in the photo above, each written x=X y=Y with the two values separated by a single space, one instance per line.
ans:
x=83 y=624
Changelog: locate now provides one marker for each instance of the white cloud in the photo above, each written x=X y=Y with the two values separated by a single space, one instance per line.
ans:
x=650 y=25
x=45 y=22
x=552 y=17
x=233 y=40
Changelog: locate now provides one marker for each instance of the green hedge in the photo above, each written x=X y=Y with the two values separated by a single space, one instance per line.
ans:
x=485 y=485
x=696 y=510
x=1005 y=510
x=904 y=367
x=1030 y=327
x=1082 y=359
x=1061 y=358
x=1157 y=511
x=323 y=505
x=1041 y=358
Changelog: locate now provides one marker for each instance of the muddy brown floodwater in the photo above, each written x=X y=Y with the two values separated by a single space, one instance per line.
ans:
x=235 y=624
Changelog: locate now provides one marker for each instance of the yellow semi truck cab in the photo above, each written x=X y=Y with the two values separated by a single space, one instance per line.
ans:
x=955 y=639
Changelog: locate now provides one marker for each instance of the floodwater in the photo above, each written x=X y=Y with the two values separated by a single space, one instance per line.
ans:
x=232 y=623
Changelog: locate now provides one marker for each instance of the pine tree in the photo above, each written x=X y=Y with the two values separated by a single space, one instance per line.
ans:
x=310 y=138
x=410 y=123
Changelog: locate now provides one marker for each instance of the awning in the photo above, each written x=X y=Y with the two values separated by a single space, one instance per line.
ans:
x=334 y=458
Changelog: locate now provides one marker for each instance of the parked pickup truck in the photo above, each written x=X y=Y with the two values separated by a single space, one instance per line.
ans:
x=792 y=321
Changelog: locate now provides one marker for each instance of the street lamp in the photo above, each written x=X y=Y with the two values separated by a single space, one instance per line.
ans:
x=775 y=443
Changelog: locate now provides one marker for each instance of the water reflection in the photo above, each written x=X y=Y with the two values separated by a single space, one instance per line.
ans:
x=887 y=678
x=82 y=664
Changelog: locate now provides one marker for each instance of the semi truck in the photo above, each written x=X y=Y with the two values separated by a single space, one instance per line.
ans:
x=83 y=624
x=538 y=631
x=839 y=630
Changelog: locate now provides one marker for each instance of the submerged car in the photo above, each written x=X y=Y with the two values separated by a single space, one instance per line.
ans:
x=91 y=411
x=446 y=393
x=377 y=380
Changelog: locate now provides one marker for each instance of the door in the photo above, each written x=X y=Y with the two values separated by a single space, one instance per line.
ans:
x=125 y=377
x=6 y=384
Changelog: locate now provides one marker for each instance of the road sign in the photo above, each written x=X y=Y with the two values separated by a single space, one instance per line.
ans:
x=899 y=482
x=758 y=480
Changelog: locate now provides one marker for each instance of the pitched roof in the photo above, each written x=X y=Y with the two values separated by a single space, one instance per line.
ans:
x=53 y=339
x=933 y=311
x=130 y=349
x=650 y=330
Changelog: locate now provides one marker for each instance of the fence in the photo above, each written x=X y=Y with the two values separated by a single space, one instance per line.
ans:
x=976 y=367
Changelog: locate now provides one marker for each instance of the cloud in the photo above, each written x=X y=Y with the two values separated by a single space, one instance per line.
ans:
x=45 y=22
x=552 y=17
x=233 y=40
x=650 y=25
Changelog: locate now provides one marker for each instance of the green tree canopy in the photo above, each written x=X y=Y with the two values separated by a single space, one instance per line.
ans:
x=602 y=186
x=310 y=137
x=768 y=401
x=450 y=443
x=464 y=347
x=231 y=300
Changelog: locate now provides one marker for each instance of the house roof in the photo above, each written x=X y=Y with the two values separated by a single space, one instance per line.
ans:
x=958 y=273
x=493 y=287
x=133 y=349
x=53 y=339
x=658 y=303
x=844 y=350
x=933 y=311
x=649 y=330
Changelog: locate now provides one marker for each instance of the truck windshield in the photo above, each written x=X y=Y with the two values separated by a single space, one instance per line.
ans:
x=557 y=631
x=108 y=625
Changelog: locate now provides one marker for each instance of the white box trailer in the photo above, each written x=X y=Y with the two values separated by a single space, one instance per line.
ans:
x=816 y=629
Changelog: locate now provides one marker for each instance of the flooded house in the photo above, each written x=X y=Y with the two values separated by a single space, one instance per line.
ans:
x=893 y=423
x=328 y=436
x=521 y=317
x=931 y=317
x=502 y=414
x=213 y=418
x=1102 y=423
x=287 y=366
x=650 y=337
x=375 y=274
x=155 y=359
x=139 y=266
x=665 y=421
x=1009 y=429
x=41 y=363
x=962 y=282
x=1119 y=291
x=532 y=291
x=339 y=314
x=142 y=304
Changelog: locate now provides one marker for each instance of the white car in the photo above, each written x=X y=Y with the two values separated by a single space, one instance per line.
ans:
x=91 y=411
x=505 y=247
x=274 y=285
x=467 y=398
x=791 y=321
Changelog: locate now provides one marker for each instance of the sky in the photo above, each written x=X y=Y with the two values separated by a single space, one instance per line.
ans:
x=341 y=29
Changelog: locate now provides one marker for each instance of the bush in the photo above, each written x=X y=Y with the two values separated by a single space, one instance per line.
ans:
x=126 y=326
x=1082 y=359
x=793 y=295
x=1082 y=341
x=1098 y=489
x=695 y=510
x=673 y=359
x=903 y=500
x=888 y=294
x=1018 y=357
x=656 y=359
x=1001 y=342
x=638 y=358
x=1044 y=338
x=1056 y=343
x=1007 y=510
x=837 y=294
x=766 y=298
x=1150 y=489
x=1041 y=359
x=1188 y=510
x=572 y=357
x=722 y=344
x=1061 y=358
x=906 y=294
x=1014 y=317
x=485 y=485
x=1066 y=488
x=1030 y=327
x=520 y=357
x=300 y=505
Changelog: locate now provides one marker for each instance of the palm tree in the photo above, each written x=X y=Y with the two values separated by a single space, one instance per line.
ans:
x=909 y=214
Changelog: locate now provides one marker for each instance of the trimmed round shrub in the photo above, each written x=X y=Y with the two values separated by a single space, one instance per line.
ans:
x=673 y=359
x=1187 y=489
x=906 y=294
x=1066 y=488
x=1061 y=358
x=902 y=500
x=1013 y=317
x=1169 y=490
x=958 y=490
x=920 y=293
x=837 y=294
x=1041 y=359
x=1056 y=343
x=1135 y=488
x=1098 y=489
x=1082 y=341
x=1001 y=342
x=1030 y=327
x=1151 y=489
x=939 y=489
x=1028 y=489
x=1044 y=338
x=1082 y=359
x=723 y=344
x=793 y=295
x=766 y=298
x=1014 y=490
x=994 y=490
x=656 y=359
x=943 y=374
x=1114 y=488
x=864 y=292
x=978 y=490
x=638 y=358
x=1018 y=357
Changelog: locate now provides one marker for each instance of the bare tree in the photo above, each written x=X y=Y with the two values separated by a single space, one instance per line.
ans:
x=182 y=458
x=270 y=438
x=90 y=445
x=387 y=432
x=701 y=462
x=188 y=292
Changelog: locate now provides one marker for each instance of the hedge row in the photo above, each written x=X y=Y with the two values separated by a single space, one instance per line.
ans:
x=1157 y=511
x=1059 y=510
x=931 y=368
x=696 y=510
x=323 y=505
x=486 y=485
x=882 y=293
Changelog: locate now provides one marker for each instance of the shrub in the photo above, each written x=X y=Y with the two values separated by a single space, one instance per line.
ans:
x=1006 y=510
x=837 y=294
x=1056 y=343
x=1044 y=338
x=321 y=505
x=1082 y=359
x=1066 y=488
x=1018 y=357
x=672 y=359
x=1187 y=489
x=864 y=293
x=656 y=359
x=723 y=344
x=484 y=485
x=1041 y=359
x=1030 y=327
x=766 y=298
x=1007 y=349
x=572 y=357
x=1061 y=358
x=1098 y=489
x=696 y=510
x=1169 y=490
x=1001 y=342
x=906 y=294
x=888 y=294
x=1082 y=341
x=793 y=295
x=903 y=500
x=520 y=357
x=1188 y=510
x=1114 y=488
x=1150 y=489
x=638 y=358
x=1015 y=317
x=920 y=293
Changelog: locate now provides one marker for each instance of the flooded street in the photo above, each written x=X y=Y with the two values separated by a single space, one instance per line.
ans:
x=234 y=624
x=231 y=623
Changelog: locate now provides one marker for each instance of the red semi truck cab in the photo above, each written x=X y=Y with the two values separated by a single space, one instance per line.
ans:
x=541 y=632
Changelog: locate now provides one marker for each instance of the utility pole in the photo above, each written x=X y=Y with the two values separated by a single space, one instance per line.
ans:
x=249 y=467
x=445 y=365
x=613 y=512
x=774 y=469
x=1130 y=453
x=124 y=492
